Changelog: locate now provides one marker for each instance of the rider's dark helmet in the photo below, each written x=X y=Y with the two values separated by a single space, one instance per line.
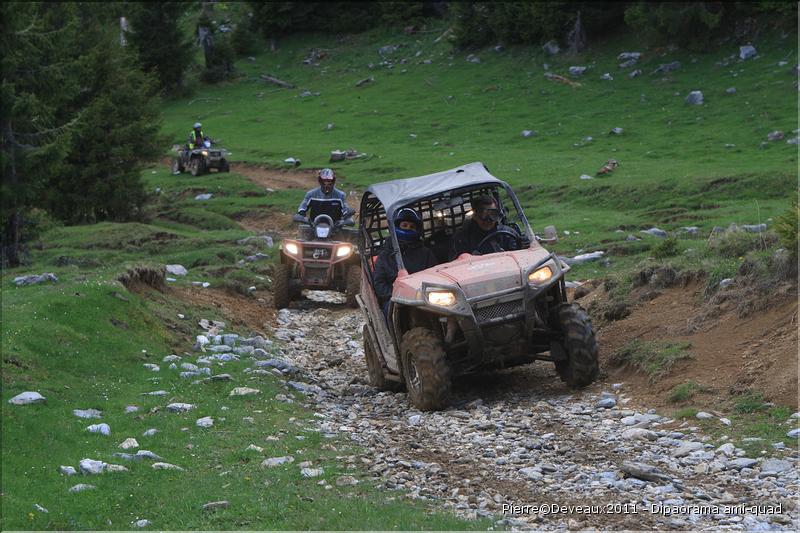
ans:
x=407 y=215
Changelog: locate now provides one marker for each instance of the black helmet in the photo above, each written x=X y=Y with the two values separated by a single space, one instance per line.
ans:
x=407 y=215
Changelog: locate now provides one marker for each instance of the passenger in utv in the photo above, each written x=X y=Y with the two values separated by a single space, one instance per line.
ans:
x=484 y=222
x=416 y=256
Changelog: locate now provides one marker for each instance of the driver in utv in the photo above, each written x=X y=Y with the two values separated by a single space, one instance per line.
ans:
x=325 y=191
x=416 y=256
x=473 y=237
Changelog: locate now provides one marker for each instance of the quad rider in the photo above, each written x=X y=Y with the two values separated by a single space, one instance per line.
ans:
x=325 y=191
x=485 y=221
x=196 y=136
x=416 y=256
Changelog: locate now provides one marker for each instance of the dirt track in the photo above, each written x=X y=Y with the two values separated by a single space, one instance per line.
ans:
x=517 y=436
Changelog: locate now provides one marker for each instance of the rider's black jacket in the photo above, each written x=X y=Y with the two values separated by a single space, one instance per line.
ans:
x=416 y=257
x=466 y=240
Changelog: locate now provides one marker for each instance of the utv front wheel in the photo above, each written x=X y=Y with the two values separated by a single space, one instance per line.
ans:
x=280 y=286
x=374 y=369
x=425 y=369
x=353 y=284
x=580 y=367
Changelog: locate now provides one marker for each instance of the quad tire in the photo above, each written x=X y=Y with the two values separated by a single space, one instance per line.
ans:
x=353 y=285
x=177 y=168
x=281 y=292
x=225 y=167
x=425 y=369
x=374 y=369
x=197 y=166
x=581 y=366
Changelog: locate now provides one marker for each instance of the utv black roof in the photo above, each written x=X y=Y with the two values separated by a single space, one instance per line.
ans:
x=395 y=194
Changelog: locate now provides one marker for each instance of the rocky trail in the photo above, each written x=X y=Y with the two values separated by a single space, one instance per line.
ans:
x=520 y=438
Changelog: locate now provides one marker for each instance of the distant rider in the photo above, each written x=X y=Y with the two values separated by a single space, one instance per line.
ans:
x=196 y=137
x=325 y=191
x=485 y=221
x=416 y=256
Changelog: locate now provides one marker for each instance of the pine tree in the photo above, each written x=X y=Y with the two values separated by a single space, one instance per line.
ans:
x=157 y=38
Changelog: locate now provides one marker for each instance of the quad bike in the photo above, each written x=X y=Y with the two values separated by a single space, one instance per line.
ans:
x=323 y=257
x=200 y=160
x=472 y=313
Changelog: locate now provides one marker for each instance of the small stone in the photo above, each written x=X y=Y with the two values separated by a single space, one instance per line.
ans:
x=727 y=449
x=725 y=421
x=740 y=463
x=87 y=413
x=176 y=270
x=205 y=422
x=635 y=73
x=346 y=481
x=794 y=434
x=695 y=98
x=776 y=135
x=276 y=461
x=551 y=48
x=528 y=133
x=212 y=506
x=91 y=466
x=686 y=448
x=415 y=420
x=155 y=393
x=206 y=196
x=150 y=432
x=606 y=403
x=129 y=443
x=311 y=472
x=27 y=398
x=730 y=90
x=472 y=58
x=115 y=468
x=644 y=471
x=607 y=77
x=165 y=466
x=147 y=454
x=772 y=467
x=655 y=232
x=702 y=415
x=141 y=523
x=103 y=429
x=244 y=391
x=67 y=470
x=179 y=407
x=722 y=284
x=254 y=448
x=616 y=131
x=577 y=71
x=40 y=508
x=639 y=434
x=747 y=51
x=131 y=409
x=80 y=487
x=586 y=177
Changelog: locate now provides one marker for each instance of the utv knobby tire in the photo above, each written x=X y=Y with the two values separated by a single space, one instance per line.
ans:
x=374 y=369
x=581 y=366
x=280 y=286
x=353 y=285
x=425 y=369
x=197 y=166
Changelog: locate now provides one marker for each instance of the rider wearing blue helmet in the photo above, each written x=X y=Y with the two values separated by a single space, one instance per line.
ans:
x=416 y=256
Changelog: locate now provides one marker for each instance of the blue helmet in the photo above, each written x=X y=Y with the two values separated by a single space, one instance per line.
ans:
x=407 y=215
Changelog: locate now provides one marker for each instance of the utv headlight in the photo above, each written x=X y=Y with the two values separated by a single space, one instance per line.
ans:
x=205 y=152
x=291 y=248
x=344 y=250
x=540 y=276
x=441 y=298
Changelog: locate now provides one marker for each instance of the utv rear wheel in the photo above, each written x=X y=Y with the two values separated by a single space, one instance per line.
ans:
x=425 y=369
x=374 y=369
x=353 y=284
x=581 y=367
x=280 y=286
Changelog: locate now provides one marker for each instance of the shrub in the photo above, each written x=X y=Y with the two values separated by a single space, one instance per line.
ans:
x=666 y=248
x=688 y=24
x=654 y=358
x=739 y=243
x=786 y=226
x=685 y=391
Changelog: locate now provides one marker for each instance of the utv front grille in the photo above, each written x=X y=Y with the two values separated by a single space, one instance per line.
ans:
x=316 y=276
x=311 y=252
x=498 y=312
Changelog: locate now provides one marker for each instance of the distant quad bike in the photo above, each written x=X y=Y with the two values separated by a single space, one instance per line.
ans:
x=323 y=257
x=201 y=159
x=473 y=313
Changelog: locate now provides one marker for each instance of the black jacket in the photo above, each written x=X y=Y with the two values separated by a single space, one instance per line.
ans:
x=416 y=257
x=466 y=240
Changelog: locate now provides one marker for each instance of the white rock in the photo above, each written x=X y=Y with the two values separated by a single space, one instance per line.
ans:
x=244 y=391
x=67 y=470
x=794 y=434
x=115 y=468
x=205 y=422
x=150 y=432
x=103 y=429
x=276 y=461
x=26 y=398
x=129 y=443
x=40 y=508
x=311 y=472
x=155 y=393
x=727 y=449
x=172 y=358
x=166 y=466
x=152 y=367
x=80 y=487
x=586 y=177
x=177 y=270
x=639 y=434
x=141 y=523
x=254 y=448
x=131 y=409
x=725 y=421
x=91 y=466
x=179 y=407
x=702 y=415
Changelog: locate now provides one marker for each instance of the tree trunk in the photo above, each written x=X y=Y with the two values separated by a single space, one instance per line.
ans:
x=577 y=37
x=10 y=247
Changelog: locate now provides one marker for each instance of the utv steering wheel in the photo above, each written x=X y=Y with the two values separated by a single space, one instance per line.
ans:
x=495 y=234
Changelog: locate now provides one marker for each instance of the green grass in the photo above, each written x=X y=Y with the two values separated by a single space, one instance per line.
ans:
x=655 y=358
x=685 y=391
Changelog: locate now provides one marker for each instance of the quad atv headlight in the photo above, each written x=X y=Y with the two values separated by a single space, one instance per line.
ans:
x=291 y=248
x=205 y=152
x=344 y=250
x=540 y=276
x=441 y=298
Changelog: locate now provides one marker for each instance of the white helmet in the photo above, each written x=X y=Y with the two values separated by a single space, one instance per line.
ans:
x=197 y=125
